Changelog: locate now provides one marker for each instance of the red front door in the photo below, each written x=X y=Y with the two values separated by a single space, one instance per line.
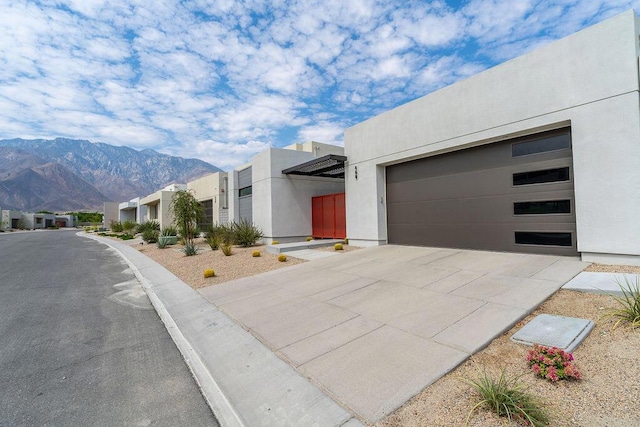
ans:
x=329 y=216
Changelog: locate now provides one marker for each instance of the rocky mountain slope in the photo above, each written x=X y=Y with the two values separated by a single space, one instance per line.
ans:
x=68 y=174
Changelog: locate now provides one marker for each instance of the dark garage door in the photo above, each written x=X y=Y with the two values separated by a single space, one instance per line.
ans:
x=515 y=195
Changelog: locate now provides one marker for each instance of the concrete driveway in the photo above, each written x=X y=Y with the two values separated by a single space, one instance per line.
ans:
x=374 y=327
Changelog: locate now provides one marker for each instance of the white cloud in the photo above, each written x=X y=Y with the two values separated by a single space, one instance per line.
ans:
x=222 y=79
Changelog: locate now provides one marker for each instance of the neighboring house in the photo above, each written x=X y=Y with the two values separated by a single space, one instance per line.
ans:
x=111 y=213
x=132 y=211
x=539 y=154
x=35 y=221
x=11 y=219
x=158 y=204
x=212 y=193
x=275 y=190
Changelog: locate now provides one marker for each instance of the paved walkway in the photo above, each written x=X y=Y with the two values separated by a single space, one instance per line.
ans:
x=373 y=327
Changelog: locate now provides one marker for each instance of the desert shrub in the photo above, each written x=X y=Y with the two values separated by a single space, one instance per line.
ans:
x=129 y=226
x=255 y=254
x=507 y=396
x=162 y=243
x=190 y=249
x=245 y=233
x=209 y=273
x=99 y=234
x=169 y=230
x=218 y=234
x=150 y=236
x=116 y=226
x=628 y=309
x=226 y=248
x=282 y=257
x=148 y=225
x=125 y=236
x=338 y=247
x=309 y=239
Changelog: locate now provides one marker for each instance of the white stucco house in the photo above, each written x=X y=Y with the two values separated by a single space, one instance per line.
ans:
x=132 y=211
x=212 y=193
x=276 y=189
x=158 y=204
x=539 y=154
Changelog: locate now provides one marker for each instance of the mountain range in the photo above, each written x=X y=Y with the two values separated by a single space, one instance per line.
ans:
x=69 y=174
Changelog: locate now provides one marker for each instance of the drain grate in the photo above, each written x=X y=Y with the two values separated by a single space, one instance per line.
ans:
x=554 y=331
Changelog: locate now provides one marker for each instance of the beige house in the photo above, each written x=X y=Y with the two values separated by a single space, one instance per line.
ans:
x=158 y=204
x=212 y=193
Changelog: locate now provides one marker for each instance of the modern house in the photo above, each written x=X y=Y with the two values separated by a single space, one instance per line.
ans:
x=158 y=204
x=132 y=211
x=539 y=154
x=276 y=191
x=35 y=221
x=212 y=193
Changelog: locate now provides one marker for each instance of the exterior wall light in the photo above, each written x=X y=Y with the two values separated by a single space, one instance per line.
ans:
x=356 y=170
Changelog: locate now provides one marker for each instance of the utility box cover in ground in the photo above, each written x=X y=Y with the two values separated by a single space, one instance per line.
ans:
x=562 y=332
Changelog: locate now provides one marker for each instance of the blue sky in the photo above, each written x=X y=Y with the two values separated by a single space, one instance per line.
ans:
x=222 y=80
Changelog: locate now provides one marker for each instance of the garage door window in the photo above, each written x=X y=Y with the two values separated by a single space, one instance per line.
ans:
x=542 y=238
x=541 y=176
x=542 y=145
x=542 y=208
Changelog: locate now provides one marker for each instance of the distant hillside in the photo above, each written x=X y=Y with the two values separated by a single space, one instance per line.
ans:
x=68 y=174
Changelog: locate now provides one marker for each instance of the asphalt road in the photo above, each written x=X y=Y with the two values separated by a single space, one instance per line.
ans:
x=80 y=343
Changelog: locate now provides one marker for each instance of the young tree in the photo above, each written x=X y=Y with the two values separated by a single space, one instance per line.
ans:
x=187 y=213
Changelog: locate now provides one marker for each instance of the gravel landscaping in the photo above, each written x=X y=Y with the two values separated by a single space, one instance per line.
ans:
x=608 y=394
x=190 y=269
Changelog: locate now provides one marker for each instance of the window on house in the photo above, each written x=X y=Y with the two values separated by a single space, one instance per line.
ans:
x=542 y=208
x=246 y=191
x=543 y=238
x=541 y=145
x=541 y=176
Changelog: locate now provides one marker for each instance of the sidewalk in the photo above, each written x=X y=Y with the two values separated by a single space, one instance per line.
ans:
x=242 y=380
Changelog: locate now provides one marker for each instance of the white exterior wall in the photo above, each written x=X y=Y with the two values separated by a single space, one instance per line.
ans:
x=588 y=80
x=210 y=187
x=282 y=203
x=158 y=207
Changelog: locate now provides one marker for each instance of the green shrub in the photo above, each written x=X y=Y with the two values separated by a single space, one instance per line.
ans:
x=169 y=230
x=129 y=226
x=162 y=243
x=116 y=227
x=217 y=235
x=190 y=249
x=148 y=225
x=628 y=309
x=150 y=235
x=125 y=236
x=508 y=397
x=245 y=233
x=338 y=247
x=209 y=273
x=282 y=257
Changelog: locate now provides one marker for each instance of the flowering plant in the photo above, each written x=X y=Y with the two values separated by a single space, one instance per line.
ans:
x=552 y=363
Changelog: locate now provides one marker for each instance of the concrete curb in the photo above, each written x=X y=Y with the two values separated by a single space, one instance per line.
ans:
x=243 y=381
